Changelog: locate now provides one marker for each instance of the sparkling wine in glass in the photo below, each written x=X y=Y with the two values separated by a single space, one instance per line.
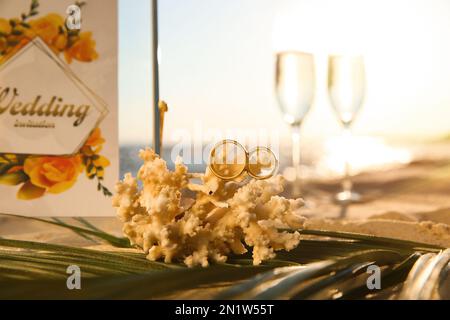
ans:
x=346 y=86
x=294 y=86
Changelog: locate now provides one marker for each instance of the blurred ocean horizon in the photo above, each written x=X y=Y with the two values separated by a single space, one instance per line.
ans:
x=323 y=160
x=130 y=161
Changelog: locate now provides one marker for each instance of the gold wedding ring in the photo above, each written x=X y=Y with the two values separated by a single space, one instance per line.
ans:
x=229 y=159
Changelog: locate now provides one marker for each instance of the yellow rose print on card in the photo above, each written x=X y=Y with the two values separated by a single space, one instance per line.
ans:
x=15 y=33
x=38 y=175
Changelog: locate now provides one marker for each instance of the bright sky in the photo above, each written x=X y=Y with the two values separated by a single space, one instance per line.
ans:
x=217 y=63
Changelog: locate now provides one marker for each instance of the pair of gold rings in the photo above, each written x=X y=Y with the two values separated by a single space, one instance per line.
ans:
x=229 y=160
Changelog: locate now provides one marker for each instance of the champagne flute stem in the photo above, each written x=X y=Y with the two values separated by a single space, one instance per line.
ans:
x=296 y=151
x=347 y=183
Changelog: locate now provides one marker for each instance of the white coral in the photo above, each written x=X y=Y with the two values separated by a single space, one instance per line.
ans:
x=224 y=218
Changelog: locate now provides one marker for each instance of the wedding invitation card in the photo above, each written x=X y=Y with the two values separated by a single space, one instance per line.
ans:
x=58 y=107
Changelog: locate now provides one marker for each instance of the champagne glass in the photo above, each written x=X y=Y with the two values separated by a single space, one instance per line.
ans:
x=346 y=86
x=295 y=85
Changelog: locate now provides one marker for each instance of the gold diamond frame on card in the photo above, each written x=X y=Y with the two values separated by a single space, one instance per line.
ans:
x=64 y=139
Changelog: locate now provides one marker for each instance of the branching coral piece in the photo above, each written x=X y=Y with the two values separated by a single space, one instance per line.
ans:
x=226 y=217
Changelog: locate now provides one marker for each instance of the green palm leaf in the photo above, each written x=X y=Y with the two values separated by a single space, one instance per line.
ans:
x=91 y=231
x=286 y=287
x=392 y=276
x=332 y=280
x=365 y=238
x=426 y=276
x=152 y=284
x=36 y=256
x=324 y=261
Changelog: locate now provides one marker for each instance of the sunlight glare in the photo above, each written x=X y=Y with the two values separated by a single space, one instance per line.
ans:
x=363 y=152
